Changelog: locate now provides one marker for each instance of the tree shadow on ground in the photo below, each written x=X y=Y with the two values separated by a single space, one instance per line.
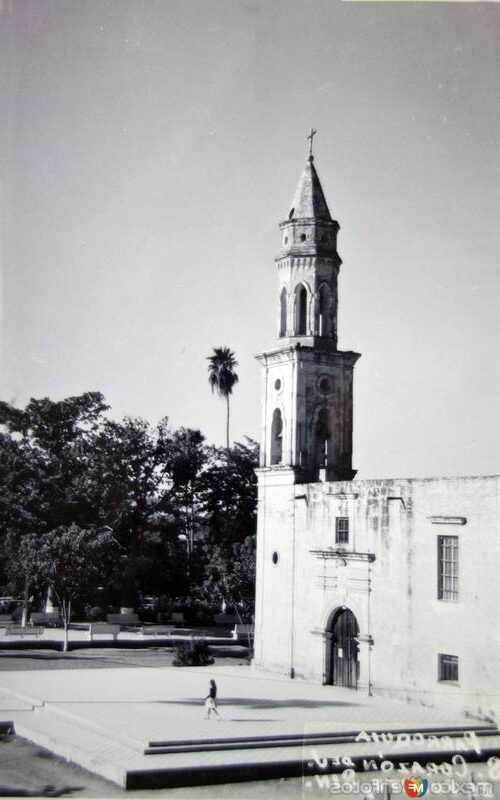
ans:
x=64 y=657
x=43 y=791
x=249 y=702
x=248 y=719
x=36 y=656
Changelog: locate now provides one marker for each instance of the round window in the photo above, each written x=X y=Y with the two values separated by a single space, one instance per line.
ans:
x=277 y=384
x=325 y=384
x=303 y=237
x=275 y=557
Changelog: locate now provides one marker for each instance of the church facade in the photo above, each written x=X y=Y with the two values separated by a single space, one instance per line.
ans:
x=383 y=586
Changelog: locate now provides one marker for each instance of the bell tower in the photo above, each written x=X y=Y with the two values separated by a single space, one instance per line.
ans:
x=307 y=387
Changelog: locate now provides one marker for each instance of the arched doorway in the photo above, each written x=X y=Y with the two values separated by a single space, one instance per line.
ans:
x=342 y=665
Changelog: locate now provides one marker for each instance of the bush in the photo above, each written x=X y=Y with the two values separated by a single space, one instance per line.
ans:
x=192 y=654
x=94 y=613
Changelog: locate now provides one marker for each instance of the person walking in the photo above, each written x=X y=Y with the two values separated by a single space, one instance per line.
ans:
x=211 y=701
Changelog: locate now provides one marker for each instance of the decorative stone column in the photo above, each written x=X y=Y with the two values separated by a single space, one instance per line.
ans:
x=365 y=644
x=322 y=641
x=327 y=647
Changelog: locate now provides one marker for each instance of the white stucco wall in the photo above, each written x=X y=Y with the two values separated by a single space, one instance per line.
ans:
x=403 y=626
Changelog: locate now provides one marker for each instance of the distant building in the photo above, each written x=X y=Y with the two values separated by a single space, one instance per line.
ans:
x=387 y=586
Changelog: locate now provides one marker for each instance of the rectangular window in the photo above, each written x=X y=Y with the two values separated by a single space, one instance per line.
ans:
x=447 y=667
x=341 y=530
x=447 y=567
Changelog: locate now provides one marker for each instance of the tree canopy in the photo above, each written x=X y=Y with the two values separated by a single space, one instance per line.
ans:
x=88 y=503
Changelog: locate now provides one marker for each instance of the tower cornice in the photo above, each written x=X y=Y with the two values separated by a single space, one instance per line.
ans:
x=325 y=223
x=309 y=352
x=314 y=255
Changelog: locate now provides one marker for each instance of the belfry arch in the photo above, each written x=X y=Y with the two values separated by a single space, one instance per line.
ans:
x=283 y=311
x=301 y=315
x=322 y=438
x=324 y=311
x=277 y=437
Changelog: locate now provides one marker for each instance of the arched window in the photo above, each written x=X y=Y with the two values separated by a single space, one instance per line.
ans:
x=324 y=314
x=322 y=438
x=300 y=310
x=277 y=437
x=283 y=305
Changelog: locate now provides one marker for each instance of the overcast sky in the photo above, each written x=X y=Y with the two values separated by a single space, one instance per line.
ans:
x=153 y=147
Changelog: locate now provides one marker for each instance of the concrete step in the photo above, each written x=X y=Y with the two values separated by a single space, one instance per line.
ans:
x=77 y=741
x=202 y=774
x=313 y=739
x=104 y=720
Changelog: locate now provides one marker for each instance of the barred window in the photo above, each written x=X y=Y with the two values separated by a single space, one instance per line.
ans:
x=447 y=667
x=447 y=567
x=341 y=530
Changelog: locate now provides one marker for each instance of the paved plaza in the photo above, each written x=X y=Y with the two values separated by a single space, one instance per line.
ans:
x=104 y=719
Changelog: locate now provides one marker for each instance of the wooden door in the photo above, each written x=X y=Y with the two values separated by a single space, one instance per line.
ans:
x=344 y=650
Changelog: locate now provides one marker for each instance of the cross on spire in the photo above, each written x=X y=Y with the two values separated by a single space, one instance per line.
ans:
x=311 y=137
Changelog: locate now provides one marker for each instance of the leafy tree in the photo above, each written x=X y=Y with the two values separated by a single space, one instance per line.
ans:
x=230 y=577
x=40 y=467
x=230 y=580
x=184 y=456
x=127 y=481
x=42 y=453
x=22 y=485
x=71 y=560
x=228 y=492
x=222 y=377
x=54 y=425
x=66 y=468
x=21 y=566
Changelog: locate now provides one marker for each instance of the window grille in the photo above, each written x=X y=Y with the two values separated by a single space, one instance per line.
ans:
x=447 y=567
x=447 y=667
x=342 y=530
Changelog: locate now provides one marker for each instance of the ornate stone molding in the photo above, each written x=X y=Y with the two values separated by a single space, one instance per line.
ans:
x=343 y=555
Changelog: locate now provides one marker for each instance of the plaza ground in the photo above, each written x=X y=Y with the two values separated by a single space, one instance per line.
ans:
x=25 y=767
x=28 y=769
x=100 y=708
x=102 y=658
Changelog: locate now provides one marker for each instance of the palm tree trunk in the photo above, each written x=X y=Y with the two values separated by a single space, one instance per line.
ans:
x=227 y=422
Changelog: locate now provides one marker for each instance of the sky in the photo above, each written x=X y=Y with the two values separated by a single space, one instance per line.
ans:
x=152 y=149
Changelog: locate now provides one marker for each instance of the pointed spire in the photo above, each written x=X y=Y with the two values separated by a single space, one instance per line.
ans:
x=309 y=200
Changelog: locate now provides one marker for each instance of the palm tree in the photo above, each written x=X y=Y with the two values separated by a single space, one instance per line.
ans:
x=221 y=376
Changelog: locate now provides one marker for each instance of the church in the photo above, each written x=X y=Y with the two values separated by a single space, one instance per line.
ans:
x=388 y=587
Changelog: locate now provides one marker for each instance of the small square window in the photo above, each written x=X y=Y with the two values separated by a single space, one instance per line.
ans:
x=447 y=667
x=342 y=530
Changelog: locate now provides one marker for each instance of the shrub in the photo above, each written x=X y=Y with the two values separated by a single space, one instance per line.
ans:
x=192 y=654
x=94 y=613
